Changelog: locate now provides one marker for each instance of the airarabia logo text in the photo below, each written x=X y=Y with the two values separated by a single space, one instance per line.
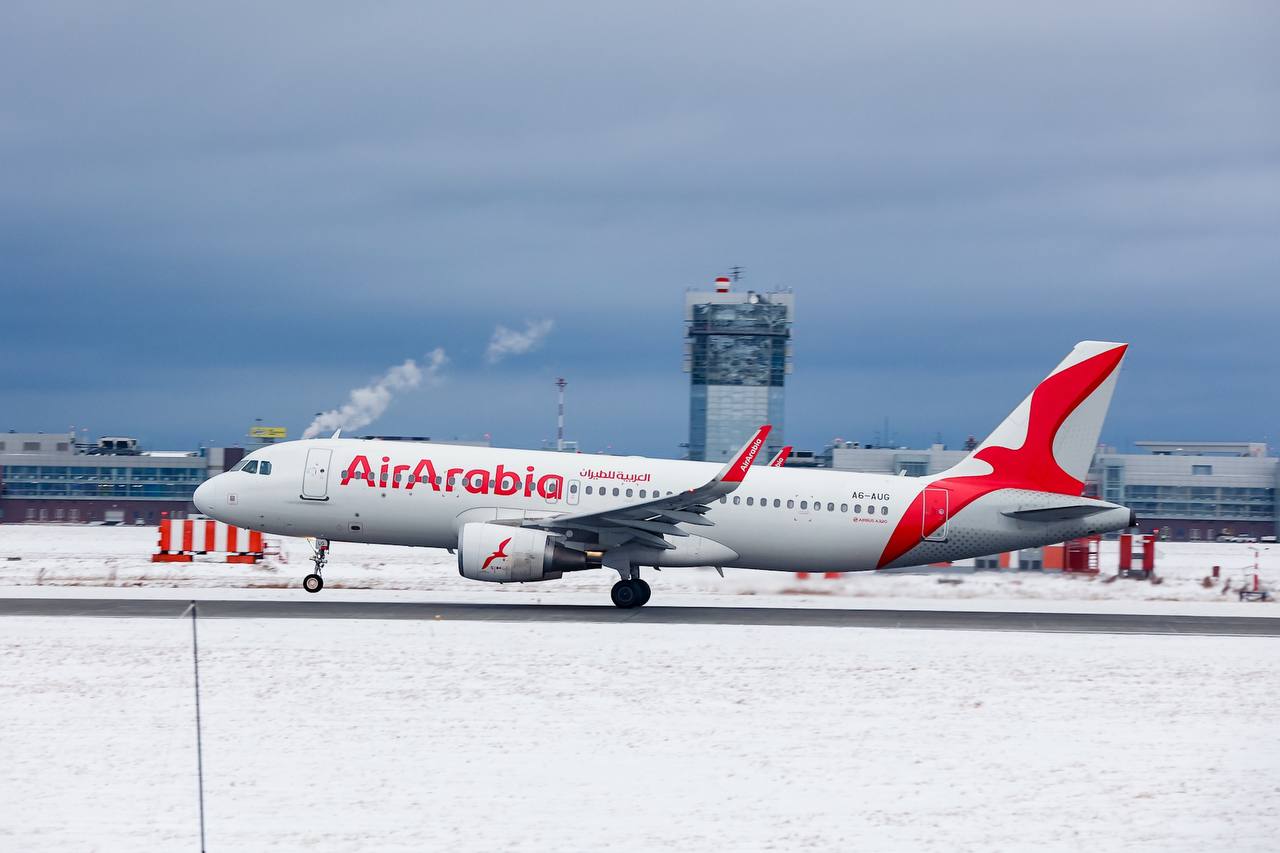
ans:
x=750 y=456
x=477 y=481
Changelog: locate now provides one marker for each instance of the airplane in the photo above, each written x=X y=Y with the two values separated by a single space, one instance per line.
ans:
x=516 y=516
x=780 y=459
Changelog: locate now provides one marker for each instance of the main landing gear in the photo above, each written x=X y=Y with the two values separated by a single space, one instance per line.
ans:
x=319 y=555
x=631 y=592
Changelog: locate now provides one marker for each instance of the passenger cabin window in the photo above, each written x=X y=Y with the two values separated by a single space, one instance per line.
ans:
x=831 y=507
x=264 y=468
x=844 y=507
x=884 y=510
x=777 y=502
x=804 y=504
x=736 y=500
x=791 y=504
x=751 y=501
x=251 y=467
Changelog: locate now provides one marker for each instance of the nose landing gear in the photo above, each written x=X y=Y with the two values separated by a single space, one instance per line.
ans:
x=319 y=555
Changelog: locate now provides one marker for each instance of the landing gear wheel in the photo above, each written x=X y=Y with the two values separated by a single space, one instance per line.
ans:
x=625 y=594
x=313 y=583
x=630 y=593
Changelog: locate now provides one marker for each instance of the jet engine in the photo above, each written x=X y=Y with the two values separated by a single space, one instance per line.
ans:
x=502 y=554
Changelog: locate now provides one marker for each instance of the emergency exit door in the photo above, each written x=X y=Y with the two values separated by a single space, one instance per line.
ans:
x=315 y=476
x=936 y=515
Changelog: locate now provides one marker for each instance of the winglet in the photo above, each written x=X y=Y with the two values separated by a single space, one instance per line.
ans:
x=736 y=470
x=781 y=459
x=336 y=433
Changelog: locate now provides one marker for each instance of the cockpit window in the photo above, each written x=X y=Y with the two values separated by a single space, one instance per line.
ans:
x=251 y=467
x=264 y=468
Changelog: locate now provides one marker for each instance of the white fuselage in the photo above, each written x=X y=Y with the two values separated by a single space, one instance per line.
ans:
x=414 y=493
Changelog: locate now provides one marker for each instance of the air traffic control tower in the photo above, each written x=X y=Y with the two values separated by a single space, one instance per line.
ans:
x=738 y=353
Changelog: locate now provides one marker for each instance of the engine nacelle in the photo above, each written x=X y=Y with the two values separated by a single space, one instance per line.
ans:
x=502 y=554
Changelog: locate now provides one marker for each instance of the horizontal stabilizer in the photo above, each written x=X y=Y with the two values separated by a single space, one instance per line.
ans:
x=1057 y=513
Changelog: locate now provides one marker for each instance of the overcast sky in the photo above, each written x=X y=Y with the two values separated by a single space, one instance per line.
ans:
x=211 y=213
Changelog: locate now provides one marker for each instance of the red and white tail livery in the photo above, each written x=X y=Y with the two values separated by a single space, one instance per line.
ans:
x=522 y=515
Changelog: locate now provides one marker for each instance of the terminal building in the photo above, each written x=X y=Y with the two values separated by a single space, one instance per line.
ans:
x=1184 y=491
x=52 y=478
x=1189 y=491
x=737 y=353
x=48 y=478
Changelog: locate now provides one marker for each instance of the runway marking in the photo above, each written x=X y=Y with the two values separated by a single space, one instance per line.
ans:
x=938 y=620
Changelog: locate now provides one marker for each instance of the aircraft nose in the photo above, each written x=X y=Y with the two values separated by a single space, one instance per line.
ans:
x=203 y=497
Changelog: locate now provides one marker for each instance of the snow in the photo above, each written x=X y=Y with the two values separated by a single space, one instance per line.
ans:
x=83 y=556
x=331 y=735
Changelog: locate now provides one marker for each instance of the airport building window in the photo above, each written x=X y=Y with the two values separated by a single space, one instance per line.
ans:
x=1202 y=470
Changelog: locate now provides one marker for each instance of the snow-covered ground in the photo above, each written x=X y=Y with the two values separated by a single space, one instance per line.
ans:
x=84 y=556
x=369 y=735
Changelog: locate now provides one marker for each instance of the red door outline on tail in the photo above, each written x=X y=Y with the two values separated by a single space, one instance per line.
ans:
x=934 y=518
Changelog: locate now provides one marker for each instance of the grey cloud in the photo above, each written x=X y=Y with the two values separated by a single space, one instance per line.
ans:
x=311 y=194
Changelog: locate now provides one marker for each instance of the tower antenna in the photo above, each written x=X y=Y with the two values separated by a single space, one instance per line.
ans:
x=560 y=383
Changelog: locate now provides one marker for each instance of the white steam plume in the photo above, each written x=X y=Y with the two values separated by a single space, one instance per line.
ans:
x=507 y=342
x=368 y=403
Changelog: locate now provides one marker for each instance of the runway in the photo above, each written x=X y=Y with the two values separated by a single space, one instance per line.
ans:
x=937 y=620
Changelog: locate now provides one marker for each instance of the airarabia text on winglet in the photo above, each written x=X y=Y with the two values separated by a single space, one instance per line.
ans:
x=476 y=480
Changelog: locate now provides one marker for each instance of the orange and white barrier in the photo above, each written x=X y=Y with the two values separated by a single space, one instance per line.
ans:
x=181 y=540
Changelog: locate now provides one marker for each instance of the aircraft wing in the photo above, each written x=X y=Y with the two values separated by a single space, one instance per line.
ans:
x=647 y=522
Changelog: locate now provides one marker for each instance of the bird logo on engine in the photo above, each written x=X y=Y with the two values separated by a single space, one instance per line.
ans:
x=501 y=552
